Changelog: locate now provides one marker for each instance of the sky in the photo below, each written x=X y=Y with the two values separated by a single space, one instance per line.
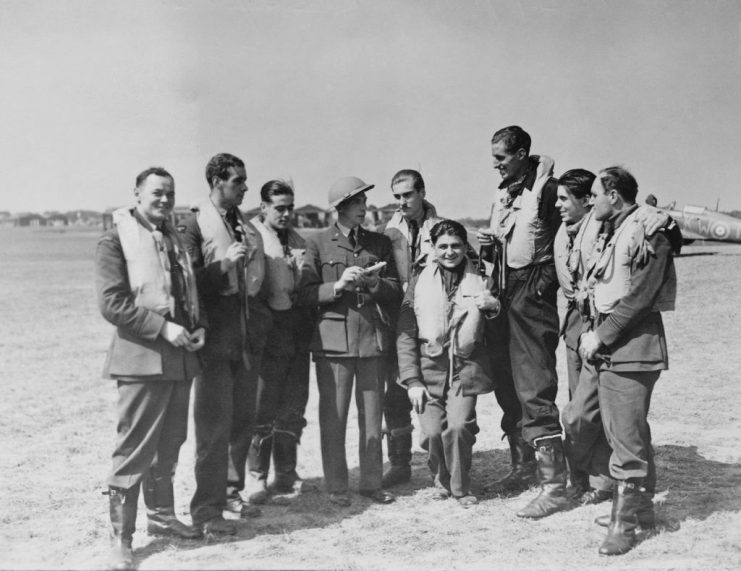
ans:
x=93 y=92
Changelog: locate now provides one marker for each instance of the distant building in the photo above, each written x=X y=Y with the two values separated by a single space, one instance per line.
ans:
x=386 y=212
x=311 y=216
x=57 y=219
x=30 y=220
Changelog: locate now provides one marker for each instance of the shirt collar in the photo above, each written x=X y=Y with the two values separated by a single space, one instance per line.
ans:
x=344 y=229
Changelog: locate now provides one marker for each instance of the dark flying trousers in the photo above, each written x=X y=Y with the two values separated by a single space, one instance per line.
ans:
x=335 y=380
x=224 y=416
x=152 y=426
x=497 y=346
x=532 y=318
x=397 y=408
x=448 y=434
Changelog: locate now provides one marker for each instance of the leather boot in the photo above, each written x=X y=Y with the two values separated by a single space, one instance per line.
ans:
x=122 y=506
x=522 y=476
x=285 y=451
x=630 y=499
x=400 y=458
x=552 y=473
x=258 y=465
x=645 y=514
x=160 y=502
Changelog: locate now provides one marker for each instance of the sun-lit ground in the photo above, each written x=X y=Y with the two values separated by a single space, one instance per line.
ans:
x=57 y=421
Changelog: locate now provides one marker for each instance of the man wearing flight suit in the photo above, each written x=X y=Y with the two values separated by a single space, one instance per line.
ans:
x=349 y=275
x=229 y=262
x=146 y=288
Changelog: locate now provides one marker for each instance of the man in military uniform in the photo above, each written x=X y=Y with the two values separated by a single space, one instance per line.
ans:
x=630 y=282
x=229 y=262
x=524 y=223
x=349 y=275
x=146 y=288
x=409 y=231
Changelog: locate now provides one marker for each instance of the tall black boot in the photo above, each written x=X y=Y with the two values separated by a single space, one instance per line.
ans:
x=285 y=451
x=630 y=500
x=522 y=476
x=400 y=457
x=122 y=504
x=552 y=473
x=160 y=502
x=258 y=466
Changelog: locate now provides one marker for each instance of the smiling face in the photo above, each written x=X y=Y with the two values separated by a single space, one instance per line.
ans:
x=232 y=189
x=603 y=200
x=351 y=212
x=449 y=251
x=511 y=165
x=277 y=213
x=572 y=209
x=155 y=198
x=411 y=201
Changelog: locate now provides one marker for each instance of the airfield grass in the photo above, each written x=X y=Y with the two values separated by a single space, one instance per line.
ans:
x=57 y=419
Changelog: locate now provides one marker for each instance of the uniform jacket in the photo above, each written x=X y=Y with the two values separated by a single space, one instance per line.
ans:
x=225 y=338
x=343 y=329
x=137 y=349
x=417 y=366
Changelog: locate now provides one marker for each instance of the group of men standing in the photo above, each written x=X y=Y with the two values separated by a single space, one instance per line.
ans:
x=239 y=305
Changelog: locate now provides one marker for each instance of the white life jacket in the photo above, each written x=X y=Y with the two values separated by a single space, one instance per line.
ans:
x=613 y=269
x=283 y=268
x=519 y=224
x=218 y=236
x=439 y=319
x=148 y=266
x=397 y=229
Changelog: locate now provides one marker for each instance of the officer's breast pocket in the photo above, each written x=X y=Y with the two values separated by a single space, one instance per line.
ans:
x=332 y=270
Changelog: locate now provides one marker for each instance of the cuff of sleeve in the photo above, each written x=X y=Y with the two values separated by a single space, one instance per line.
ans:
x=608 y=332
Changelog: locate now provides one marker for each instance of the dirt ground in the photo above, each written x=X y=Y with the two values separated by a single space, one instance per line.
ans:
x=57 y=421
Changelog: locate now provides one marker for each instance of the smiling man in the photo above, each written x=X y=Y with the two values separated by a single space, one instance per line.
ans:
x=229 y=262
x=146 y=288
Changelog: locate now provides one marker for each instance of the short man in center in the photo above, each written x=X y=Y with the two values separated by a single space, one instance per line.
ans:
x=350 y=277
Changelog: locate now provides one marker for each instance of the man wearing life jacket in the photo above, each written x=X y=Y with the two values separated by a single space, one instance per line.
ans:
x=229 y=261
x=349 y=277
x=443 y=361
x=630 y=280
x=146 y=288
x=524 y=222
x=409 y=231
x=283 y=382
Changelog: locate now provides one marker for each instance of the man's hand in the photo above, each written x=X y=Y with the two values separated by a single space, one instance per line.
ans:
x=418 y=396
x=234 y=253
x=175 y=334
x=485 y=237
x=653 y=219
x=486 y=302
x=351 y=277
x=589 y=345
x=197 y=340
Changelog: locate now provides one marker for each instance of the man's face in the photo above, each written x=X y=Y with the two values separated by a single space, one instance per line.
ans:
x=411 y=202
x=602 y=200
x=572 y=209
x=155 y=198
x=352 y=212
x=277 y=213
x=449 y=251
x=232 y=188
x=510 y=165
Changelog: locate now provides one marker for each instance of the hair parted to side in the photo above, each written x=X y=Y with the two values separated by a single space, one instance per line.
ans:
x=404 y=175
x=219 y=165
x=158 y=171
x=619 y=179
x=275 y=187
x=578 y=182
x=448 y=228
x=514 y=138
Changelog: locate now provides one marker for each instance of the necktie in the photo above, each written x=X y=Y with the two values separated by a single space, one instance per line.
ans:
x=351 y=238
x=413 y=235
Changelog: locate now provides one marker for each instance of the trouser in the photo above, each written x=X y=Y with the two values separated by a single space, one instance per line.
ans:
x=224 y=417
x=449 y=432
x=532 y=320
x=335 y=381
x=497 y=346
x=572 y=328
x=585 y=441
x=152 y=426
x=397 y=408
x=624 y=399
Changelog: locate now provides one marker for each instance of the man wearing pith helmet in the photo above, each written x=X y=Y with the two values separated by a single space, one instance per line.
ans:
x=350 y=277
